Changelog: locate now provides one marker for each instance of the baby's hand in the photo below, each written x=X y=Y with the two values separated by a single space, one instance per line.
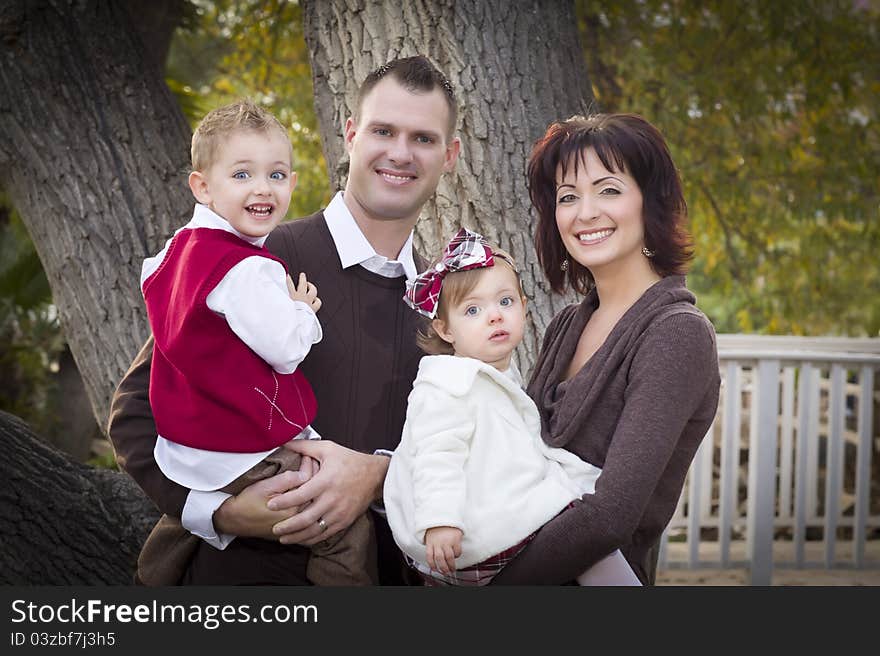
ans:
x=305 y=292
x=443 y=546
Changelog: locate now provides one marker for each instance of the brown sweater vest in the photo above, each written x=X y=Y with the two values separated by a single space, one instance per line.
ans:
x=363 y=369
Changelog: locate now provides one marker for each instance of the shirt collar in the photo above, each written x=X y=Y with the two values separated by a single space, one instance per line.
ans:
x=353 y=247
x=205 y=217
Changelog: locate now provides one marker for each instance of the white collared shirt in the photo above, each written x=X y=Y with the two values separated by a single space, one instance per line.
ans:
x=353 y=247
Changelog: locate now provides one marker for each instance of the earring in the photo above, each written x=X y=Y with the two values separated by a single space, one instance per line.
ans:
x=646 y=252
x=564 y=265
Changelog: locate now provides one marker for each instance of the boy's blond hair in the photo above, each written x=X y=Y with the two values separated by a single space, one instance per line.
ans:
x=457 y=286
x=219 y=123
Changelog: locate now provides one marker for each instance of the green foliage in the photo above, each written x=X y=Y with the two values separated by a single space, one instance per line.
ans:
x=229 y=49
x=30 y=337
x=770 y=110
x=106 y=460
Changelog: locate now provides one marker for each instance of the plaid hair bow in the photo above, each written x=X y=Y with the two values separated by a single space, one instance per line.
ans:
x=466 y=250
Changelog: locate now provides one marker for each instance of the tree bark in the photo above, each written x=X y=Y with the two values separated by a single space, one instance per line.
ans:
x=93 y=148
x=64 y=523
x=515 y=66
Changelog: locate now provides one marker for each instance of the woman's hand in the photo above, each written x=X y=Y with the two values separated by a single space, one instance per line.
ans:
x=443 y=546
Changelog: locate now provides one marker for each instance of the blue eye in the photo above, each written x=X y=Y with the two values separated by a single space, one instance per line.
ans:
x=507 y=301
x=241 y=175
x=472 y=311
x=382 y=132
x=278 y=175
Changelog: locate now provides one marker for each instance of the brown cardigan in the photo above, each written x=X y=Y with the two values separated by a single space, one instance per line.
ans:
x=638 y=409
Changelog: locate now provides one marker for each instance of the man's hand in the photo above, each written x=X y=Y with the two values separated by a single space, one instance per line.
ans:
x=443 y=546
x=246 y=514
x=346 y=483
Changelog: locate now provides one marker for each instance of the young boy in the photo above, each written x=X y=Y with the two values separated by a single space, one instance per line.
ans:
x=230 y=330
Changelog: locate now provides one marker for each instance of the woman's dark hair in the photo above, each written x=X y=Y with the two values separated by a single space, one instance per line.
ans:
x=624 y=143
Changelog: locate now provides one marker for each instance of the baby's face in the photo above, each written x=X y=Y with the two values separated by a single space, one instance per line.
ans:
x=488 y=323
x=250 y=181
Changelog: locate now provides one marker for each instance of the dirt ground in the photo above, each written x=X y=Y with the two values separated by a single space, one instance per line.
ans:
x=782 y=575
x=786 y=577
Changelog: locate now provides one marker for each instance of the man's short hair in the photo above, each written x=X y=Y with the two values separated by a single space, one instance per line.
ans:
x=415 y=74
x=219 y=123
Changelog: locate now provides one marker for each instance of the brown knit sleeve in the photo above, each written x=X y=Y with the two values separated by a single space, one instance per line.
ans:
x=132 y=431
x=670 y=399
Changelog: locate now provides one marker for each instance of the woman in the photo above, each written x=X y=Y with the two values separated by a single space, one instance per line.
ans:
x=628 y=378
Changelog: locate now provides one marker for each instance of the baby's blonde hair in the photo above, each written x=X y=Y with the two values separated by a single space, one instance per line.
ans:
x=457 y=286
x=219 y=123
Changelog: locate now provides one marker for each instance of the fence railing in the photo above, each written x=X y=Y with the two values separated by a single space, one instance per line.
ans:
x=789 y=462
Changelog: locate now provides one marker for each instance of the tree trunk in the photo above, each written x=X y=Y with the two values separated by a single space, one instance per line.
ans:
x=515 y=65
x=92 y=151
x=74 y=430
x=63 y=523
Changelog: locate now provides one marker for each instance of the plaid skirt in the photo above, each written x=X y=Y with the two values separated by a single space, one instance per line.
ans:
x=480 y=574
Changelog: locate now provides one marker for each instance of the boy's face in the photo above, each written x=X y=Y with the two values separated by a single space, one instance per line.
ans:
x=398 y=148
x=487 y=324
x=249 y=182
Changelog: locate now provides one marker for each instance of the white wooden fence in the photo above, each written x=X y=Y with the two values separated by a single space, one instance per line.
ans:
x=787 y=462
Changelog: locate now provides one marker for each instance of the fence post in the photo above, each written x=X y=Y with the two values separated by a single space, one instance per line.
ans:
x=695 y=487
x=834 y=460
x=727 y=510
x=863 y=466
x=762 y=472
x=806 y=400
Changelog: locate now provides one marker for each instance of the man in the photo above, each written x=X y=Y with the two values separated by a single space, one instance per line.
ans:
x=359 y=254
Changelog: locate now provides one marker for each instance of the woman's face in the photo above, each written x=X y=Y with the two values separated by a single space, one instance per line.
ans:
x=599 y=215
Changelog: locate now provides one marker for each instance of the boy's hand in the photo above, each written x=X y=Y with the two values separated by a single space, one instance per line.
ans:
x=443 y=546
x=305 y=292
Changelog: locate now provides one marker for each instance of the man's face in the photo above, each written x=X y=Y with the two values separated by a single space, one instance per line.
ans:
x=398 y=149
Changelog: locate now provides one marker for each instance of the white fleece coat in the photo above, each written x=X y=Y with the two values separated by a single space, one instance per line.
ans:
x=471 y=456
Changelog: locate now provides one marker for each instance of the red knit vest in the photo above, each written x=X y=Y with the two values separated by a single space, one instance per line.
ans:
x=208 y=389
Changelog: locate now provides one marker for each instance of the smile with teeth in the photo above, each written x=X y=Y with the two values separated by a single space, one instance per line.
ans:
x=595 y=237
x=396 y=178
x=259 y=210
